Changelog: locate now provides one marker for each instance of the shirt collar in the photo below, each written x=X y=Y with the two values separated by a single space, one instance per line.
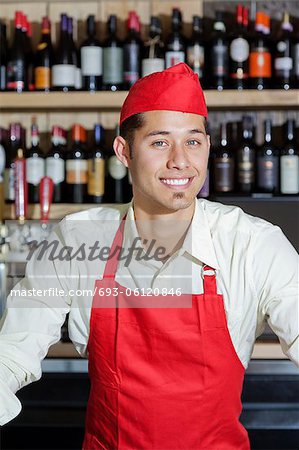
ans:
x=197 y=243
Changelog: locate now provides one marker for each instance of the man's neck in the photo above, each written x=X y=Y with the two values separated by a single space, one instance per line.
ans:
x=163 y=230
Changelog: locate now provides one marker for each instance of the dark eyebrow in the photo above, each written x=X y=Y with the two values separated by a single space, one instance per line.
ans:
x=163 y=132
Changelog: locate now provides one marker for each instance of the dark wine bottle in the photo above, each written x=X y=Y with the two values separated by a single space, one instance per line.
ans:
x=35 y=165
x=91 y=59
x=239 y=51
x=283 y=59
x=295 y=55
x=219 y=54
x=3 y=56
x=96 y=167
x=76 y=167
x=27 y=30
x=175 y=51
x=76 y=55
x=16 y=66
x=289 y=161
x=153 y=50
x=195 y=49
x=260 y=59
x=268 y=163
x=44 y=58
x=3 y=144
x=112 y=58
x=132 y=51
x=245 y=158
x=64 y=69
x=55 y=163
x=223 y=164
x=15 y=141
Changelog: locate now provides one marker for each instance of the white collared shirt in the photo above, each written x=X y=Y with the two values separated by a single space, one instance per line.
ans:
x=256 y=272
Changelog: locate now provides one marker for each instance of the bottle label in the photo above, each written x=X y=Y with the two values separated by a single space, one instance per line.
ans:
x=96 y=177
x=76 y=171
x=2 y=162
x=91 y=61
x=55 y=169
x=224 y=174
x=131 y=63
x=112 y=65
x=9 y=184
x=296 y=60
x=35 y=170
x=151 y=65
x=220 y=60
x=172 y=58
x=239 y=50
x=289 y=174
x=195 y=59
x=260 y=64
x=63 y=75
x=42 y=77
x=78 y=79
x=2 y=78
x=15 y=75
x=267 y=169
x=283 y=64
x=116 y=169
x=246 y=172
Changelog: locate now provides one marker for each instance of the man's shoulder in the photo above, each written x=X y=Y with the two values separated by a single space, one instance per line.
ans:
x=224 y=217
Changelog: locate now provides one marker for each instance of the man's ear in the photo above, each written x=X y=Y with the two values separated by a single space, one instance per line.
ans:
x=121 y=150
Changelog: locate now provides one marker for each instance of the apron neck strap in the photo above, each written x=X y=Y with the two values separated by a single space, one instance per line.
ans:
x=209 y=280
x=112 y=262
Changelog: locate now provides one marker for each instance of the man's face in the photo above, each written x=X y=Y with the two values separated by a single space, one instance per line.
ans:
x=170 y=157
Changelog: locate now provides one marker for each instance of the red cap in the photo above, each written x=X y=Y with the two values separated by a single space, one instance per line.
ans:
x=174 y=89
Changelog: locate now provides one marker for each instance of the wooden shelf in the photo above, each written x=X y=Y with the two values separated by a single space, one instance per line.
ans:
x=111 y=101
x=262 y=350
x=60 y=210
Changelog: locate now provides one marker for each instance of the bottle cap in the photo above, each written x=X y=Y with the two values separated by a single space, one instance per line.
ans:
x=18 y=19
x=133 y=21
x=239 y=14
x=46 y=24
x=78 y=133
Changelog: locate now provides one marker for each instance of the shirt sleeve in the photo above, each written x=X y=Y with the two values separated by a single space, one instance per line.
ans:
x=35 y=311
x=275 y=272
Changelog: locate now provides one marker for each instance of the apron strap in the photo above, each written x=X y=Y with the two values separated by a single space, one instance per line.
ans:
x=209 y=280
x=112 y=263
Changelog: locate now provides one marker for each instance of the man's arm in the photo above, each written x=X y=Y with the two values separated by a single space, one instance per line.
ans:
x=32 y=322
x=275 y=273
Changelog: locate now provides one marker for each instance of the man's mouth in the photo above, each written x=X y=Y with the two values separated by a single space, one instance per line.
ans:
x=177 y=182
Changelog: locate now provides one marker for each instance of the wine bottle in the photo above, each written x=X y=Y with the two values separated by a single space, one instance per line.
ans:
x=16 y=66
x=3 y=56
x=132 y=48
x=283 y=59
x=260 y=60
x=91 y=59
x=3 y=139
x=44 y=58
x=219 y=52
x=176 y=45
x=76 y=167
x=64 y=69
x=55 y=163
x=195 y=49
x=96 y=167
x=112 y=58
x=289 y=161
x=153 y=50
x=239 y=52
x=268 y=163
x=27 y=30
x=15 y=141
x=76 y=55
x=295 y=55
x=117 y=182
x=35 y=165
x=245 y=158
x=20 y=187
x=223 y=164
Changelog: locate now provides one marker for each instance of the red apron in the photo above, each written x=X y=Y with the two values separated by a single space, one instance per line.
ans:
x=163 y=378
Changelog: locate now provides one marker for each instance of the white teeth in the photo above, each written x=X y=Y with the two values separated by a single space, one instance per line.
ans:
x=175 y=182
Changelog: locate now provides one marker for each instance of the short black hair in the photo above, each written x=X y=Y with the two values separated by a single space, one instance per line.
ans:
x=132 y=123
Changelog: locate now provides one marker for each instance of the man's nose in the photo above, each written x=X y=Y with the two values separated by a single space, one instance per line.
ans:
x=178 y=158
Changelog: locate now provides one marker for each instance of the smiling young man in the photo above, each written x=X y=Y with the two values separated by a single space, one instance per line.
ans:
x=168 y=336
